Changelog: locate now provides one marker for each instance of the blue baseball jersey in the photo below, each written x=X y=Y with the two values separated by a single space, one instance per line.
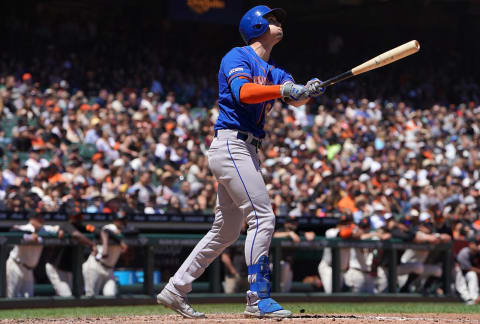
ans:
x=244 y=62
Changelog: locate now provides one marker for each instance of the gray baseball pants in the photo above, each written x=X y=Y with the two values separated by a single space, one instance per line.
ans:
x=241 y=194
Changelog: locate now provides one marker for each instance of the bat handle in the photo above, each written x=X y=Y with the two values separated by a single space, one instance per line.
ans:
x=337 y=79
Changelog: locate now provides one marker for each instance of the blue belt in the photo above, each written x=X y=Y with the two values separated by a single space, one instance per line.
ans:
x=244 y=137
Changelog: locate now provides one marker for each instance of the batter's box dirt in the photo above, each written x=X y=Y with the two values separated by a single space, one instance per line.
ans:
x=239 y=318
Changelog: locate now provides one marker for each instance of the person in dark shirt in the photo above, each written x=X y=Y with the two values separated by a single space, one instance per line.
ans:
x=59 y=267
x=443 y=226
x=74 y=200
x=167 y=164
x=23 y=141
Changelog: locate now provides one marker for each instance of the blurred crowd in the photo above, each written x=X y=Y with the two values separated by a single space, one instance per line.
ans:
x=144 y=152
x=111 y=151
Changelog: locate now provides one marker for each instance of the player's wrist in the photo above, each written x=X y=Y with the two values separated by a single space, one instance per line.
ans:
x=292 y=91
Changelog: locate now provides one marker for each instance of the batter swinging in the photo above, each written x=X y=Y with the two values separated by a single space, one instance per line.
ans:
x=248 y=85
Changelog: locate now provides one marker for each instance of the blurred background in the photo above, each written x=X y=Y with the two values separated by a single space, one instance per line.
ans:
x=108 y=107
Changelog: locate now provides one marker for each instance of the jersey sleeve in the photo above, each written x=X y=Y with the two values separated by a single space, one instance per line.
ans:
x=281 y=76
x=236 y=64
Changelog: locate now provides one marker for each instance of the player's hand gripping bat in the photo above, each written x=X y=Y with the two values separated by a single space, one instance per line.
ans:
x=388 y=57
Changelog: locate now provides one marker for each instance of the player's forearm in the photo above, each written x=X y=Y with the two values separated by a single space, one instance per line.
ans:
x=251 y=93
x=281 y=234
x=368 y=236
x=227 y=261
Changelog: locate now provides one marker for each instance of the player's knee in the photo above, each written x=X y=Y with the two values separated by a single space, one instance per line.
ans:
x=231 y=238
x=264 y=222
x=226 y=232
x=260 y=207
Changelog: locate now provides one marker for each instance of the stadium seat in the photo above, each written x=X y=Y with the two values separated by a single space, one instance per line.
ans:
x=8 y=125
x=87 y=150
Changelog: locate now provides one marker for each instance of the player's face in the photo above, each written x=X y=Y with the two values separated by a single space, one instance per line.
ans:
x=275 y=28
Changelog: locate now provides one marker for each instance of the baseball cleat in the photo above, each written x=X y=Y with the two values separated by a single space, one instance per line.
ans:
x=178 y=304
x=267 y=308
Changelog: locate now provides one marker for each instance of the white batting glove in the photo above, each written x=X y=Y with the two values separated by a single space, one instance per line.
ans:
x=313 y=88
x=292 y=91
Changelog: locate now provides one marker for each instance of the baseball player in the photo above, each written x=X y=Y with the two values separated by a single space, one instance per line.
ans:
x=24 y=258
x=249 y=83
x=466 y=273
x=59 y=267
x=345 y=229
x=406 y=265
x=359 y=277
x=98 y=269
x=423 y=235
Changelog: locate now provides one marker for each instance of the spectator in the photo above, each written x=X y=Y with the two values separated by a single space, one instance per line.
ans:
x=164 y=191
x=143 y=187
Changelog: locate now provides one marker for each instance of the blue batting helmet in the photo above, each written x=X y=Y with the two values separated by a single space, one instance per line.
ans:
x=254 y=23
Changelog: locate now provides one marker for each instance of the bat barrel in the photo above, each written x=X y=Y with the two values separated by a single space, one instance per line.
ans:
x=388 y=57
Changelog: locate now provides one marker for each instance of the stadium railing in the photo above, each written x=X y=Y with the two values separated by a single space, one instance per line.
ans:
x=149 y=241
x=141 y=221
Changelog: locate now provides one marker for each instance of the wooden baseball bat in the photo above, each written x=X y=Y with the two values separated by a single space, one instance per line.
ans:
x=388 y=57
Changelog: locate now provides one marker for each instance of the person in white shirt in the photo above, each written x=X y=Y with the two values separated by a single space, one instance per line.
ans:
x=24 y=258
x=34 y=164
x=98 y=269
x=163 y=146
x=10 y=173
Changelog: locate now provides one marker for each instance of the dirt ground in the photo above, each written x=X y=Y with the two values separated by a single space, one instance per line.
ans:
x=239 y=318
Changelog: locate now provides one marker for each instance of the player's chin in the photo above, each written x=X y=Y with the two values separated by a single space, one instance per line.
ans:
x=279 y=36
